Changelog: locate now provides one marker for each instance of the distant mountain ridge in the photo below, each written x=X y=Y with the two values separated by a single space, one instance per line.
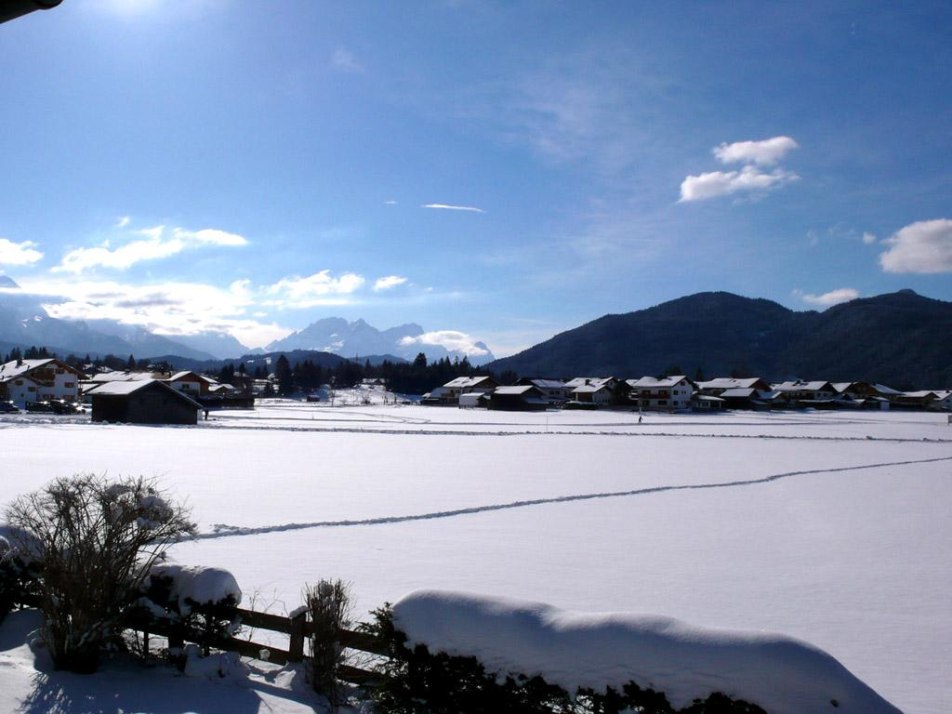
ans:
x=357 y=339
x=24 y=322
x=901 y=339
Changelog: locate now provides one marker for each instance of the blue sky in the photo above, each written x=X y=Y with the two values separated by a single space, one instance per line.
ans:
x=504 y=170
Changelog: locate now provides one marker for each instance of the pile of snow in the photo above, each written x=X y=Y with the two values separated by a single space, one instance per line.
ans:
x=573 y=650
x=193 y=585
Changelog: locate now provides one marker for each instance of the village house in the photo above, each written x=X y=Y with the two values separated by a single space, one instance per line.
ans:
x=450 y=393
x=555 y=391
x=518 y=398
x=667 y=394
x=142 y=401
x=596 y=391
x=800 y=393
x=715 y=387
x=39 y=380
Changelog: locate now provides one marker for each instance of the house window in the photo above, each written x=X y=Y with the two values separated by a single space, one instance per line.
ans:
x=69 y=385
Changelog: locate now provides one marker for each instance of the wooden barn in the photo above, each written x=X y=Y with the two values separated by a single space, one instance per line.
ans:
x=146 y=401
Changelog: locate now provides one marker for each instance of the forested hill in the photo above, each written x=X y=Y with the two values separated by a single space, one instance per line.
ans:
x=901 y=339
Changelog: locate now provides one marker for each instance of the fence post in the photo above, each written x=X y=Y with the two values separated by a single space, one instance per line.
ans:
x=296 y=643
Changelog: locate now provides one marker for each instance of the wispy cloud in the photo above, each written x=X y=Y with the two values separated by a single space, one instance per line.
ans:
x=834 y=297
x=751 y=178
x=24 y=253
x=169 y=308
x=448 y=207
x=345 y=61
x=145 y=244
x=451 y=340
x=921 y=247
x=389 y=282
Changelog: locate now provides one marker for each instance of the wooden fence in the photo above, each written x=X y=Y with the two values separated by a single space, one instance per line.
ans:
x=296 y=627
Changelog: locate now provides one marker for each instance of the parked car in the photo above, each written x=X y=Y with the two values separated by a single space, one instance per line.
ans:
x=61 y=406
x=41 y=407
x=8 y=408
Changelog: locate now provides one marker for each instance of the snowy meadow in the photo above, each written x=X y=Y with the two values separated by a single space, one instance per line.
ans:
x=830 y=527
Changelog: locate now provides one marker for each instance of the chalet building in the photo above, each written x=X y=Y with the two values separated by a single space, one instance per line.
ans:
x=39 y=380
x=191 y=384
x=716 y=387
x=667 y=394
x=597 y=391
x=518 y=398
x=142 y=401
x=555 y=391
x=805 y=393
x=465 y=385
x=924 y=399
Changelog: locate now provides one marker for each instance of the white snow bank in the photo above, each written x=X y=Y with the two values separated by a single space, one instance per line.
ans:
x=778 y=673
x=197 y=585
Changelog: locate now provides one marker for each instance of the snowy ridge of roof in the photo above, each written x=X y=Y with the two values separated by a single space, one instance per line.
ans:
x=781 y=674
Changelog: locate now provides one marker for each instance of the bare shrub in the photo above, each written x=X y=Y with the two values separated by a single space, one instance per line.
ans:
x=329 y=607
x=98 y=540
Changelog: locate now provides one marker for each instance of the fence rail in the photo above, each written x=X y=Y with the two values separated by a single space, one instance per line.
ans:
x=296 y=627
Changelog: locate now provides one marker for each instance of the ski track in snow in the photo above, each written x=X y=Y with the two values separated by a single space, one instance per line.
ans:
x=227 y=531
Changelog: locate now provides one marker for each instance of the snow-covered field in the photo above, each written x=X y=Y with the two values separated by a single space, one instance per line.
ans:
x=831 y=527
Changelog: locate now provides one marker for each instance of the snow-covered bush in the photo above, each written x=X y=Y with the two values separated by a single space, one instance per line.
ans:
x=19 y=570
x=97 y=541
x=328 y=604
x=199 y=603
x=455 y=652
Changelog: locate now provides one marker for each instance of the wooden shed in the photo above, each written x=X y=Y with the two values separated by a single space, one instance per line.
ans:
x=146 y=401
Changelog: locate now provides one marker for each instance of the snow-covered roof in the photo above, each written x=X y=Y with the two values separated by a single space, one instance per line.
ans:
x=587 y=381
x=15 y=368
x=104 y=377
x=187 y=372
x=464 y=382
x=590 y=388
x=738 y=393
x=729 y=383
x=655 y=383
x=814 y=386
x=122 y=389
x=516 y=391
x=586 y=650
x=548 y=383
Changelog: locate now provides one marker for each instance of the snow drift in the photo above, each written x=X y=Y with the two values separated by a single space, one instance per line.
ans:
x=596 y=651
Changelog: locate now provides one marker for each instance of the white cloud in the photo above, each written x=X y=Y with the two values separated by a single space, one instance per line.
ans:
x=869 y=238
x=153 y=243
x=450 y=339
x=24 y=253
x=123 y=221
x=345 y=61
x=921 y=247
x=388 y=282
x=763 y=153
x=317 y=289
x=447 y=207
x=834 y=297
x=751 y=178
x=724 y=183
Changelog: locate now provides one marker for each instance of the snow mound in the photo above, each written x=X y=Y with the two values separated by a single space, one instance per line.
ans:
x=197 y=585
x=572 y=650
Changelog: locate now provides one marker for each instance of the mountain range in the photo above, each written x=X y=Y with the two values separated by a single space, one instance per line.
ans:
x=900 y=339
x=358 y=339
x=24 y=322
